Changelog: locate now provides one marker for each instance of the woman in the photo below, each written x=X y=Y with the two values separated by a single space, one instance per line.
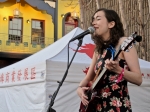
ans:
x=113 y=93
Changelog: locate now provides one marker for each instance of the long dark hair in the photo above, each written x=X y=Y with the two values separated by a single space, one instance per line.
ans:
x=115 y=33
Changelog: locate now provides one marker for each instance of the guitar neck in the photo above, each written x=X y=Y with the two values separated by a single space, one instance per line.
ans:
x=117 y=53
x=104 y=70
x=98 y=78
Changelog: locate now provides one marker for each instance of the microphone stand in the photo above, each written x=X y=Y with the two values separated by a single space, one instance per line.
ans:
x=50 y=109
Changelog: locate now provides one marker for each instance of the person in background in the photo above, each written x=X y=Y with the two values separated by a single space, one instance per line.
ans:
x=112 y=93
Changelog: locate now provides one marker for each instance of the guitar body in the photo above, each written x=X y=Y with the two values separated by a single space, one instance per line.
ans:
x=91 y=106
x=92 y=98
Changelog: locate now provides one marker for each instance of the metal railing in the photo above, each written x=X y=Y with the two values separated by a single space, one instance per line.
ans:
x=23 y=44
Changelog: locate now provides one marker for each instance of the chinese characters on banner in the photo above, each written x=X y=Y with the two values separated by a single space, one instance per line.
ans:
x=16 y=75
x=24 y=75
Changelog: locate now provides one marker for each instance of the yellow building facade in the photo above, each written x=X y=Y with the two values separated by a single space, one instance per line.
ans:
x=67 y=9
x=28 y=32
x=25 y=28
x=28 y=26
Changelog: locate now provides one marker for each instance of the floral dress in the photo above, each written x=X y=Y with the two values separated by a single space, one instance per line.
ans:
x=112 y=96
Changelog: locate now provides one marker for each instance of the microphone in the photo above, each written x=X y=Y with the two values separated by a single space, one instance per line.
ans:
x=89 y=31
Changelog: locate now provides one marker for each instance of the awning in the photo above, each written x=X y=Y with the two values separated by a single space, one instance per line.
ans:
x=39 y=4
x=3 y=0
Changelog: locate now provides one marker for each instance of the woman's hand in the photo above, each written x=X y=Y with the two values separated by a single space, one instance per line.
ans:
x=113 y=66
x=81 y=93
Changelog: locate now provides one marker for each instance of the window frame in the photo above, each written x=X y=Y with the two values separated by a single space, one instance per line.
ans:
x=43 y=21
x=11 y=17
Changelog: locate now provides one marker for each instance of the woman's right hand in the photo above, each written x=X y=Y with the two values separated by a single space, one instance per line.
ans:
x=83 y=97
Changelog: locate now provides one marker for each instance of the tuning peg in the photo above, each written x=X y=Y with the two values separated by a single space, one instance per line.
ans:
x=138 y=38
x=130 y=46
x=127 y=50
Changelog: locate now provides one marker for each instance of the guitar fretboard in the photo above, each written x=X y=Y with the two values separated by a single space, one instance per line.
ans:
x=98 y=78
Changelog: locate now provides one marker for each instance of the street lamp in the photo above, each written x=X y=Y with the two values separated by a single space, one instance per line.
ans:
x=74 y=15
x=16 y=13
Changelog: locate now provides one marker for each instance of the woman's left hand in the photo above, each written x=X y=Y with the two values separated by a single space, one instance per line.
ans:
x=113 y=65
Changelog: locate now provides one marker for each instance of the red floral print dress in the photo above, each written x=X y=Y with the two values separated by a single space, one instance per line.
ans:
x=112 y=96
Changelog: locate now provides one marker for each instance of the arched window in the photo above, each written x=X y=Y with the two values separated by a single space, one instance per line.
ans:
x=68 y=23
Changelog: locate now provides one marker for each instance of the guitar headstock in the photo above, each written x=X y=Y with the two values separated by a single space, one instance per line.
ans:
x=127 y=44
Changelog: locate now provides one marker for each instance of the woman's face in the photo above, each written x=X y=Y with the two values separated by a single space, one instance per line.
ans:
x=101 y=25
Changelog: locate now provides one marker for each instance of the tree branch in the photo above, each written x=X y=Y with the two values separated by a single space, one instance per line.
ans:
x=69 y=4
x=122 y=12
x=146 y=20
x=140 y=11
x=88 y=3
x=97 y=4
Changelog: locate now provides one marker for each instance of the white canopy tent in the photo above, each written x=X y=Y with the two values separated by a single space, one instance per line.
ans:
x=28 y=85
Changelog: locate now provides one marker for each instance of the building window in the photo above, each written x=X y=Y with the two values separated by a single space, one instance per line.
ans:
x=38 y=32
x=69 y=23
x=15 y=29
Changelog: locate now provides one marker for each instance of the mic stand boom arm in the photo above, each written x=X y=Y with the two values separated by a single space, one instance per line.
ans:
x=60 y=83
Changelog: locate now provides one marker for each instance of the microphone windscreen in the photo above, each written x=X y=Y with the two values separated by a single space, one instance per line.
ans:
x=91 y=29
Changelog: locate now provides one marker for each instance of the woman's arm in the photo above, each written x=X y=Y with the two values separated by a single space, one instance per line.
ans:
x=89 y=77
x=134 y=75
